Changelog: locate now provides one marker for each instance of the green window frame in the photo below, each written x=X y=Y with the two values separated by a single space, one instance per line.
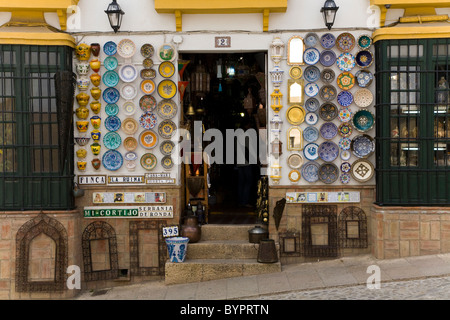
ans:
x=32 y=174
x=413 y=116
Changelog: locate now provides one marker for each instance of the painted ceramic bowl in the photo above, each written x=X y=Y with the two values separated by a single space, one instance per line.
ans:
x=364 y=58
x=363 y=120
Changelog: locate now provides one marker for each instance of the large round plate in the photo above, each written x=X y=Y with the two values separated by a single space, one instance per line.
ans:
x=345 y=42
x=311 y=39
x=345 y=98
x=295 y=115
x=110 y=63
x=362 y=170
x=295 y=72
x=148 y=74
x=166 y=129
x=346 y=62
x=126 y=48
x=364 y=78
x=312 y=105
x=130 y=126
x=166 y=52
x=111 y=95
x=129 y=108
x=148 y=120
x=129 y=91
x=148 y=86
x=345 y=129
x=112 y=123
x=112 y=109
x=294 y=176
x=311 y=89
x=166 y=109
x=310 y=151
x=328 y=111
x=147 y=50
x=328 y=173
x=328 y=75
x=166 y=69
x=295 y=161
x=328 y=151
x=110 y=78
x=148 y=139
x=345 y=114
x=363 y=146
x=363 y=98
x=364 y=42
x=311 y=74
x=311 y=118
x=148 y=161
x=147 y=103
x=327 y=41
x=311 y=56
x=130 y=143
x=167 y=89
x=345 y=80
x=328 y=130
x=345 y=143
x=167 y=147
x=310 y=134
x=112 y=140
x=327 y=58
x=128 y=73
x=167 y=162
x=310 y=171
x=328 y=92
x=112 y=160
x=364 y=59
x=110 y=48
x=363 y=120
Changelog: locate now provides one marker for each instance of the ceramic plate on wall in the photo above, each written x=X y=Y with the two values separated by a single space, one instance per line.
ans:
x=166 y=109
x=311 y=118
x=166 y=69
x=310 y=134
x=166 y=129
x=126 y=48
x=328 y=92
x=345 y=98
x=345 y=129
x=328 y=111
x=147 y=103
x=311 y=89
x=166 y=52
x=129 y=108
x=364 y=59
x=167 y=89
x=311 y=56
x=148 y=161
x=328 y=173
x=345 y=42
x=130 y=126
x=129 y=91
x=328 y=75
x=345 y=80
x=167 y=162
x=295 y=161
x=364 y=42
x=110 y=48
x=363 y=120
x=167 y=147
x=328 y=151
x=111 y=95
x=327 y=58
x=363 y=98
x=312 y=105
x=310 y=171
x=363 y=146
x=148 y=139
x=310 y=151
x=327 y=41
x=294 y=175
x=147 y=120
x=328 y=130
x=112 y=140
x=311 y=74
x=148 y=86
x=112 y=160
x=128 y=73
x=295 y=115
x=110 y=63
x=295 y=72
x=130 y=143
x=345 y=114
x=346 y=62
x=111 y=109
x=364 y=78
x=362 y=170
x=110 y=78
x=112 y=123
x=147 y=50
x=311 y=39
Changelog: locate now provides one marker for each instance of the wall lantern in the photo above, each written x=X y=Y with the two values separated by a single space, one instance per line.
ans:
x=114 y=15
x=277 y=50
x=276 y=97
x=329 y=10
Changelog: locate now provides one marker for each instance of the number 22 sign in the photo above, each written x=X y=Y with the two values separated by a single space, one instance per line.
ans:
x=223 y=42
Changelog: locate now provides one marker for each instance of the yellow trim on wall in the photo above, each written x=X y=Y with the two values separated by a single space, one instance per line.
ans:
x=402 y=4
x=408 y=32
x=37 y=38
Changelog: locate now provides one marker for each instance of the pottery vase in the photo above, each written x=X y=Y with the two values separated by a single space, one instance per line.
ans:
x=95 y=79
x=95 y=49
x=83 y=83
x=95 y=148
x=96 y=93
x=95 y=65
x=95 y=135
x=83 y=52
x=96 y=163
x=96 y=121
x=82 y=126
x=83 y=99
x=82 y=112
x=95 y=106
x=81 y=165
x=83 y=68
x=191 y=229
x=177 y=247
x=81 y=153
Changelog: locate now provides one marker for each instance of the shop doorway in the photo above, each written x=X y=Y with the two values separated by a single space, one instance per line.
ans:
x=227 y=91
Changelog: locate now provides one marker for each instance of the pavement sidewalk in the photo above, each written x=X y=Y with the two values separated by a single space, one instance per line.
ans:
x=346 y=271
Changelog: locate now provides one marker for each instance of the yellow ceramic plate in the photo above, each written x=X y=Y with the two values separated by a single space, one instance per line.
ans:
x=295 y=115
x=167 y=89
x=294 y=175
x=148 y=86
x=148 y=139
x=166 y=69
x=295 y=72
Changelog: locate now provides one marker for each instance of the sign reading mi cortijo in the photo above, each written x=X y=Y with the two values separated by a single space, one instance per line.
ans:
x=159 y=212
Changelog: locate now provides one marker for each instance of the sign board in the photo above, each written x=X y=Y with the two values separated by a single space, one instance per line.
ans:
x=92 y=180
x=128 y=197
x=160 y=212
x=323 y=197
x=223 y=42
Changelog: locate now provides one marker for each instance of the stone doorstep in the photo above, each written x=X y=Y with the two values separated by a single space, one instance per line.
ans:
x=225 y=232
x=222 y=249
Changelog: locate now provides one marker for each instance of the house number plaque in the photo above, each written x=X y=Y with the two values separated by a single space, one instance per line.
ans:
x=223 y=42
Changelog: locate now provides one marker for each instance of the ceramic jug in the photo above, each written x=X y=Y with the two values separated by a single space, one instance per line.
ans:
x=81 y=165
x=83 y=99
x=95 y=106
x=83 y=68
x=96 y=121
x=95 y=148
x=95 y=79
x=82 y=126
x=96 y=93
x=96 y=163
x=95 y=49
x=83 y=83
x=83 y=52
x=95 y=65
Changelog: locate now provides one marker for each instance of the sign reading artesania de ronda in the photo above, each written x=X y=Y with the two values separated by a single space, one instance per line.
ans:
x=159 y=211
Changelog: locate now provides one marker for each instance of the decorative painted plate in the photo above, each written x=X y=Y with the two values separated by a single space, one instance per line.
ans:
x=148 y=139
x=147 y=74
x=128 y=73
x=363 y=120
x=112 y=123
x=148 y=120
x=311 y=56
x=112 y=160
x=167 y=147
x=111 y=95
x=129 y=108
x=345 y=155
x=295 y=72
x=148 y=86
x=364 y=78
x=166 y=129
x=328 y=111
x=311 y=39
x=344 y=143
x=111 y=109
x=363 y=146
x=363 y=98
x=130 y=126
x=345 y=114
x=166 y=109
x=327 y=58
x=311 y=74
x=328 y=151
x=328 y=92
x=346 y=62
x=147 y=50
x=310 y=171
x=345 y=42
x=166 y=52
x=129 y=91
x=147 y=63
x=364 y=59
x=311 y=89
x=147 y=103
x=295 y=115
x=345 y=129
x=346 y=167
x=295 y=161
x=327 y=41
x=328 y=75
x=346 y=80
x=167 y=162
x=312 y=105
x=294 y=175
x=310 y=151
x=328 y=130
x=126 y=48
x=328 y=173
x=110 y=78
x=110 y=63
x=130 y=156
x=311 y=118
x=130 y=143
x=110 y=48
x=345 y=98
x=167 y=89
x=362 y=170
x=345 y=178
x=166 y=69
x=364 y=41
x=112 y=140
x=148 y=161
x=310 y=134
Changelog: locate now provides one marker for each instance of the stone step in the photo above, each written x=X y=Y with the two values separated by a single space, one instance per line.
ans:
x=222 y=249
x=212 y=232
x=198 y=270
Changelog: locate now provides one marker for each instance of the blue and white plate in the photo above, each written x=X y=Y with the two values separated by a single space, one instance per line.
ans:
x=311 y=118
x=327 y=58
x=113 y=123
x=112 y=140
x=311 y=151
x=311 y=74
x=112 y=160
x=363 y=146
x=110 y=78
x=111 y=95
x=130 y=156
x=364 y=58
x=364 y=78
x=311 y=39
x=112 y=109
x=311 y=89
x=345 y=155
x=110 y=48
x=328 y=151
x=311 y=56
x=310 y=134
x=148 y=120
x=344 y=143
x=346 y=62
x=310 y=171
x=128 y=73
x=345 y=98
x=328 y=130
x=346 y=167
x=312 y=105
x=327 y=41
x=111 y=63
